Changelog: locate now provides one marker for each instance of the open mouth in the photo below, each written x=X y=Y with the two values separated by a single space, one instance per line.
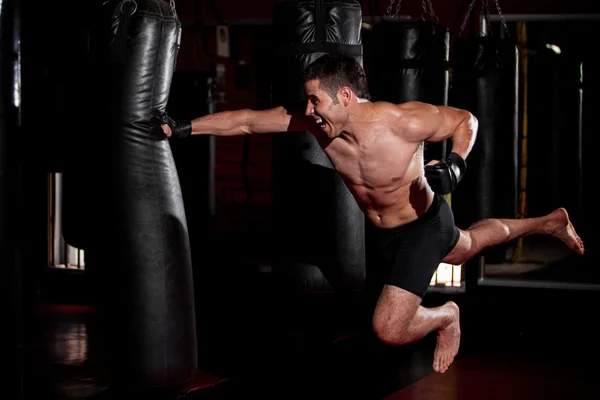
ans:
x=320 y=122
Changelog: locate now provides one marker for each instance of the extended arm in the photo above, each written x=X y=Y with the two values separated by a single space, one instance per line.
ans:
x=238 y=122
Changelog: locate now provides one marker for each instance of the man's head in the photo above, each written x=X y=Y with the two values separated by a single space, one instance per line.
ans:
x=335 y=71
x=332 y=83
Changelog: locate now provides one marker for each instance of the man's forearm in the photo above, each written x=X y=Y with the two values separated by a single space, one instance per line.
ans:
x=242 y=122
x=224 y=123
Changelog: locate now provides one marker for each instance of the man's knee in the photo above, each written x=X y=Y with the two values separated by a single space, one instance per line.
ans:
x=393 y=314
x=462 y=251
x=388 y=333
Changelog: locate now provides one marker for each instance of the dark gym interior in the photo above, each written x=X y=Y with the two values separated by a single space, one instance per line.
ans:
x=259 y=310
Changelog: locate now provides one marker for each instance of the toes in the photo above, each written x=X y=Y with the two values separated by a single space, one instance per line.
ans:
x=444 y=364
x=440 y=364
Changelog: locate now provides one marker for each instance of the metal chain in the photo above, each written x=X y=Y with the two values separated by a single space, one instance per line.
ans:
x=502 y=18
x=397 y=9
x=133 y=6
x=389 y=9
x=467 y=15
x=485 y=11
x=431 y=12
x=428 y=9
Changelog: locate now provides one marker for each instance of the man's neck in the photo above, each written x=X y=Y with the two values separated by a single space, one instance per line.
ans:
x=349 y=134
x=360 y=111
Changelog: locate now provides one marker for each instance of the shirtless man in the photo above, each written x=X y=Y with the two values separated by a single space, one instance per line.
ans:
x=377 y=148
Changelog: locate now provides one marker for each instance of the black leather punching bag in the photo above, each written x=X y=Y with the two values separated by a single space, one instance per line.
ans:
x=12 y=345
x=554 y=151
x=485 y=82
x=319 y=227
x=140 y=254
x=409 y=63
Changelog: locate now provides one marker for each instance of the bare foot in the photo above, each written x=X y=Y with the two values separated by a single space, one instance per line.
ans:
x=562 y=229
x=448 y=340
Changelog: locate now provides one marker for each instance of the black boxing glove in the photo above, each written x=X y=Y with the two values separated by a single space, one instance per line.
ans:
x=444 y=176
x=179 y=129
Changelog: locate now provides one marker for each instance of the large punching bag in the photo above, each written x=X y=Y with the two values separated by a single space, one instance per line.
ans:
x=140 y=254
x=409 y=62
x=485 y=82
x=12 y=345
x=554 y=171
x=319 y=227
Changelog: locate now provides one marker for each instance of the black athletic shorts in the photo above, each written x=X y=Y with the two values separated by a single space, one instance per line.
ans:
x=409 y=255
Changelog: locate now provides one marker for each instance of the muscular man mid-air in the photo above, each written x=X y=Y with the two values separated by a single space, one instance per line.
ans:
x=377 y=148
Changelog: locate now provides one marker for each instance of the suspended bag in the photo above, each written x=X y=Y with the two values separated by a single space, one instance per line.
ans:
x=319 y=228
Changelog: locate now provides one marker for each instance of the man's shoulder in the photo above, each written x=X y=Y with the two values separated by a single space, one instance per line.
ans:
x=408 y=110
x=392 y=110
x=401 y=118
x=407 y=105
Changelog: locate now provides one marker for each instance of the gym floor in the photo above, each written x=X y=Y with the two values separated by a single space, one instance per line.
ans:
x=517 y=344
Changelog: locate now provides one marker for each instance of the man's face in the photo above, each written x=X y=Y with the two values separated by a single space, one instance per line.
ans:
x=329 y=115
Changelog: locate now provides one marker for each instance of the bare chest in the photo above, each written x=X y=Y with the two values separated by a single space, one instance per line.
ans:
x=386 y=162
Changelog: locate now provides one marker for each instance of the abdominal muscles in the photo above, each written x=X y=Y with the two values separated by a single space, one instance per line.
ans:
x=386 y=179
x=398 y=203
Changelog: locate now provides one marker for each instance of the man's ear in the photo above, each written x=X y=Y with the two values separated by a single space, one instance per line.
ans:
x=345 y=95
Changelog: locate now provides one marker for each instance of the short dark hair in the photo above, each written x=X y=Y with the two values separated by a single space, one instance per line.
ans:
x=335 y=71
